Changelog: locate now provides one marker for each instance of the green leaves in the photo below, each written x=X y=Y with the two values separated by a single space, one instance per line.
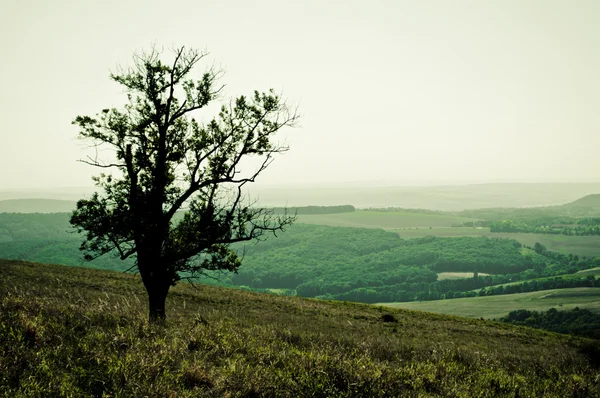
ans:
x=169 y=157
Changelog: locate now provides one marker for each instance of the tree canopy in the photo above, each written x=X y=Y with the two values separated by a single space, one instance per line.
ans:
x=173 y=198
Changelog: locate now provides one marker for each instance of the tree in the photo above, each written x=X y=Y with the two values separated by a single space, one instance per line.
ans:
x=173 y=198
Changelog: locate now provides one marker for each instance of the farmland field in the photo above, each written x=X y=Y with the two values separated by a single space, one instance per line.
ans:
x=456 y=275
x=591 y=271
x=493 y=307
x=414 y=225
x=588 y=246
x=444 y=232
x=384 y=219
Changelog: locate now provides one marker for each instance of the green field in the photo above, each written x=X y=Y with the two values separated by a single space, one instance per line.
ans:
x=445 y=232
x=591 y=271
x=414 y=225
x=588 y=246
x=493 y=307
x=384 y=219
x=456 y=275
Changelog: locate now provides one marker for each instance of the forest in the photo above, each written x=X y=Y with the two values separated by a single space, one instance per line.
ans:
x=338 y=263
x=580 y=322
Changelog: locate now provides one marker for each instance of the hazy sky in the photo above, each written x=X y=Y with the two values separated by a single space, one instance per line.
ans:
x=389 y=91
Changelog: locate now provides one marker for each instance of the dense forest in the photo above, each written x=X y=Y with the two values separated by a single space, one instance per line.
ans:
x=341 y=263
x=580 y=322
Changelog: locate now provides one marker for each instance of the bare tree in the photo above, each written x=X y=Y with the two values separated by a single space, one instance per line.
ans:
x=173 y=199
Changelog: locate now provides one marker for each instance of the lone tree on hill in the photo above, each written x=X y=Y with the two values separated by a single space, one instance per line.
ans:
x=174 y=199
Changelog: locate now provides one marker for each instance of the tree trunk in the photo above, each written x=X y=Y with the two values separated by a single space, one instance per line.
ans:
x=156 y=304
x=157 y=289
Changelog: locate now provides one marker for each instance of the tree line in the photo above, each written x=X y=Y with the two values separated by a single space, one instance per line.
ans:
x=579 y=322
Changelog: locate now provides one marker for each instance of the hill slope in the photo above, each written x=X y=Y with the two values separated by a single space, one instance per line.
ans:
x=81 y=332
x=589 y=201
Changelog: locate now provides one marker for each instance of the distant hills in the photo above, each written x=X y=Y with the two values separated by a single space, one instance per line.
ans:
x=36 y=206
x=588 y=201
x=452 y=198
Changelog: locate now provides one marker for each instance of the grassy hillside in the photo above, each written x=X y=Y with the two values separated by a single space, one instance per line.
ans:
x=79 y=332
x=494 y=307
x=588 y=201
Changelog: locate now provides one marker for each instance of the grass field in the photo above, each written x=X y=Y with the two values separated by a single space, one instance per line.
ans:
x=385 y=220
x=445 y=232
x=578 y=275
x=69 y=331
x=456 y=275
x=414 y=225
x=588 y=246
x=493 y=307
x=591 y=271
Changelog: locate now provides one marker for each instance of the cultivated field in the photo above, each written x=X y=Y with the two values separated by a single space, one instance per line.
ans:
x=588 y=246
x=383 y=219
x=591 y=271
x=456 y=275
x=414 y=225
x=493 y=307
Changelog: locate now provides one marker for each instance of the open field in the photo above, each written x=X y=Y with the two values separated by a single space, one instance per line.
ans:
x=70 y=331
x=494 y=307
x=414 y=225
x=383 y=219
x=588 y=246
x=456 y=275
x=591 y=271
x=445 y=232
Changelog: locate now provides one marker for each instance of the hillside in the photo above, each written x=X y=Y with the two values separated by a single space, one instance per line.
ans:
x=36 y=206
x=79 y=332
x=588 y=201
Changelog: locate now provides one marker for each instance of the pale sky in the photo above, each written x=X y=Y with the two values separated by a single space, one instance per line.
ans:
x=393 y=92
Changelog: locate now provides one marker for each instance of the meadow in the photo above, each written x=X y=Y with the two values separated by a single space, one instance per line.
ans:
x=415 y=225
x=588 y=246
x=384 y=219
x=456 y=275
x=69 y=331
x=494 y=307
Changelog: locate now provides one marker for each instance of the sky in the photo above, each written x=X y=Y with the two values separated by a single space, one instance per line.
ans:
x=390 y=92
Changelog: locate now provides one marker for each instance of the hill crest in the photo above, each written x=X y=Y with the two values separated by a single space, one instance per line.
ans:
x=592 y=200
